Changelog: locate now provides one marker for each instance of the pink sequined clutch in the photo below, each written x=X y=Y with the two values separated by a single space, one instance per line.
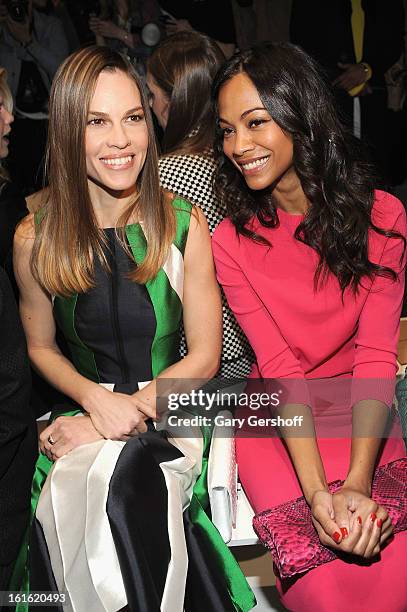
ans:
x=287 y=530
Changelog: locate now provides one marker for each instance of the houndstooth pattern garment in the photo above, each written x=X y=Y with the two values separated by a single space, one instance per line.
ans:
x=190 y=176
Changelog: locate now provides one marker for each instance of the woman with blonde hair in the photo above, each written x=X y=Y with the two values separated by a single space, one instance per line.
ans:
x=12 y=204
x=116 y=265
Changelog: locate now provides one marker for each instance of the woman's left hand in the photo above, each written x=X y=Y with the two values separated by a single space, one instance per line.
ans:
x=65 y=434
x=365 y=525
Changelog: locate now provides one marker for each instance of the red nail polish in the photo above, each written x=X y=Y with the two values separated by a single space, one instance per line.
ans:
x=379 y=523
x=344 y=532
x=373 y=517
x=336 y=536
x=359 y=520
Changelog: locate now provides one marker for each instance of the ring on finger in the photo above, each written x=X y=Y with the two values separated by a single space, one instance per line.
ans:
x=51 y=440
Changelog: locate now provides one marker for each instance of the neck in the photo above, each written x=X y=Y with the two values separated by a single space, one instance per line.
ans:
x=289 y=195
x=109 y=205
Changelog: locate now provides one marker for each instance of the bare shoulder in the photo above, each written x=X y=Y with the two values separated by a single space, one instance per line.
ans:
x=25 y=231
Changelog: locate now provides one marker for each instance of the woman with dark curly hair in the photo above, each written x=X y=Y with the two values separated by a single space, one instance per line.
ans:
x=311 y=261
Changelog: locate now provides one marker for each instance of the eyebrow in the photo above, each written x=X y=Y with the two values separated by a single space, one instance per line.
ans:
x=106 y=116
x=247 y=112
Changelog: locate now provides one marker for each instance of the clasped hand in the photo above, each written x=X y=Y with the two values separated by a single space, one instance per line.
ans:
x=350 y=521
x=113 y=416
x=117 y=416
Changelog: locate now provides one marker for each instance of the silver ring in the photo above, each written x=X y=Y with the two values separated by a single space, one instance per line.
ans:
x=51 y=440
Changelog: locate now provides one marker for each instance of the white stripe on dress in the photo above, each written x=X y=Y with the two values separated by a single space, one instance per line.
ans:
x=72 y=512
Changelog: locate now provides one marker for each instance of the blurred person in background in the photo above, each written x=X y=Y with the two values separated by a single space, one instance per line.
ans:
x=356 y=42
x=59 y=9
x=12 y=203
x=179 y=77
x=17 y=428
x=32 y=45
x=120 y=25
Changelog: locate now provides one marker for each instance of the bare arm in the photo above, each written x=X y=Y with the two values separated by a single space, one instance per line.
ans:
x=38 y=321
x=39 y=326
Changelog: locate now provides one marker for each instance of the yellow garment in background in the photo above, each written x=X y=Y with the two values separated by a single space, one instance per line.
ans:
x=358 y=30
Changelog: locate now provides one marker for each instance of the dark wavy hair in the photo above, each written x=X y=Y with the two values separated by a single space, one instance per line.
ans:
x=184 y=66
x=328 y=160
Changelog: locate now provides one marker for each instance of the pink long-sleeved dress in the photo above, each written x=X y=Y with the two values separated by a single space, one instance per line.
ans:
x=300 y=333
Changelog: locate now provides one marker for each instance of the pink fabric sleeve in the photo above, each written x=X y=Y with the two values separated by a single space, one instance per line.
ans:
x=274 y=357
x=378 y=330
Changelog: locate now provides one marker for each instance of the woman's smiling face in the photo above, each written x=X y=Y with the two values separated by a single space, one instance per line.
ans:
x=116 y=133
x=252 y=140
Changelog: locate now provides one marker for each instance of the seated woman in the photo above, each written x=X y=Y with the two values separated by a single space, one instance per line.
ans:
x=119 y=519
x=311 y=260
x=179 y=76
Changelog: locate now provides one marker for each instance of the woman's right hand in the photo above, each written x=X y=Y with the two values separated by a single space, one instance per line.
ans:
x=117 y=416
x=322 y=514
x=351 y=522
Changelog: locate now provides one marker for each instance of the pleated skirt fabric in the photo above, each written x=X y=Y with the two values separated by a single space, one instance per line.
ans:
x=112 y=530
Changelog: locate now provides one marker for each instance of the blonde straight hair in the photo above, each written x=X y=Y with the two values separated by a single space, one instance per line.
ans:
x=67 y=236
x=5 y=93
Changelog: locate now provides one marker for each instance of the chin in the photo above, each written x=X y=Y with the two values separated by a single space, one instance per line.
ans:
x=118 y=183
x=258 y=183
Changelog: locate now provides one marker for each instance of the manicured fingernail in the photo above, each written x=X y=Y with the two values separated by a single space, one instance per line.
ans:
x=379 y=523
x=359 y=520
x=344 y=532
x=373 y=517
x=336 y=536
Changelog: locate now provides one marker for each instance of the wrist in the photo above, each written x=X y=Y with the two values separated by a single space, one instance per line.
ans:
x=358 y=482
x=310 y=491
x=91 y=397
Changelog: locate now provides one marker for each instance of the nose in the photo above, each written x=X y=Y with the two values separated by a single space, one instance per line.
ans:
x=242 y=143
x=118 y=136
x=7 y=116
